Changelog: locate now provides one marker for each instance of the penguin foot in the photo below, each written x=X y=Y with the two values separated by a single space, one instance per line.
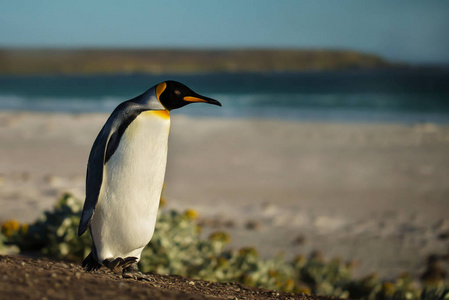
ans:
x=133 y=272
x=136 y=276
x=90 y=263
x=118 y=264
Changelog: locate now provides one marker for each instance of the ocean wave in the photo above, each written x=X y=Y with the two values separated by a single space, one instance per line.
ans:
x=51 y=104
x=322 y=107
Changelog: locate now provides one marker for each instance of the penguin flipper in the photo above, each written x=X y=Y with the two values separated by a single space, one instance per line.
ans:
x=94 y=177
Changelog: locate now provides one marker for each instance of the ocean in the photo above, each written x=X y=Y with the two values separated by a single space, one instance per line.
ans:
x=392 y=96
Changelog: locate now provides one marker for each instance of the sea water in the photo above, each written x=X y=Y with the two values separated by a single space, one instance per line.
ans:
x=395 y=96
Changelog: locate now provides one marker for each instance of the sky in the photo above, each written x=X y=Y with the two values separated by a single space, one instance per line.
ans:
x=406 y=31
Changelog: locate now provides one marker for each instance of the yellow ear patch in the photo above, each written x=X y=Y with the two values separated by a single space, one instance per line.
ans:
x=160 y=89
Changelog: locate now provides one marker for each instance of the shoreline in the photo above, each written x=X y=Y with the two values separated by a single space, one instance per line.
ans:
x=376 y=193
x=407 y=119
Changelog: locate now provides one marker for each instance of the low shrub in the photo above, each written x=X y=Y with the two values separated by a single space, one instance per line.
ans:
x=177 y=248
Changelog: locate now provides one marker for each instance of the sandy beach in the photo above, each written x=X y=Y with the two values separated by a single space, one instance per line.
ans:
x=376 y=193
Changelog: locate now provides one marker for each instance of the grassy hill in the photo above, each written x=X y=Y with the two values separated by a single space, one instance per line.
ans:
x=108 y=61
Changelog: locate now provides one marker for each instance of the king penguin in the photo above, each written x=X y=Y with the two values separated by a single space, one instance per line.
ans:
x=125 y=174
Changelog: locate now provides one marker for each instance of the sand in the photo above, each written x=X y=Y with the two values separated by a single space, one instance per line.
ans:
x=376 y=193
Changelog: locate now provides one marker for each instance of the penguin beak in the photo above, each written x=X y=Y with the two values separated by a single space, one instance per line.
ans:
x=199 y=98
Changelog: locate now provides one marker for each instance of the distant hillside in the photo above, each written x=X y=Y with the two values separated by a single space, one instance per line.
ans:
x=93 y=61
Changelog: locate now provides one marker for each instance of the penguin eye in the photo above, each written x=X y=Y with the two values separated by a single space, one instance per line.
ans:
x=177 y=93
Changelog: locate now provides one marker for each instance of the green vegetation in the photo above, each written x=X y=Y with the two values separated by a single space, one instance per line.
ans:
x=177 y=248
x=102 y=61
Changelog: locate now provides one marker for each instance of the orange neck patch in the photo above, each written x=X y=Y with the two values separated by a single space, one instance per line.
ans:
x=162 y=113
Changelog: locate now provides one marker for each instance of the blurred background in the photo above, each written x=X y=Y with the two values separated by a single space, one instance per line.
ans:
x=380 y=61
x=332 y=136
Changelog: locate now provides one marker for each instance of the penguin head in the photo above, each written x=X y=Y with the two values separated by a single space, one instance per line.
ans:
x=173 y=94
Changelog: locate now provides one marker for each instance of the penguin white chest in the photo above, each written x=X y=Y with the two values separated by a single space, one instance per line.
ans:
x=128 y=203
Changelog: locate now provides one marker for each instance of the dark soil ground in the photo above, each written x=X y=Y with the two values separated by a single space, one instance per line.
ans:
x=28 y=278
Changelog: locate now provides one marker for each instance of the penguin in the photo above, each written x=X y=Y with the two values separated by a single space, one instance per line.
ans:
x=125 y=174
